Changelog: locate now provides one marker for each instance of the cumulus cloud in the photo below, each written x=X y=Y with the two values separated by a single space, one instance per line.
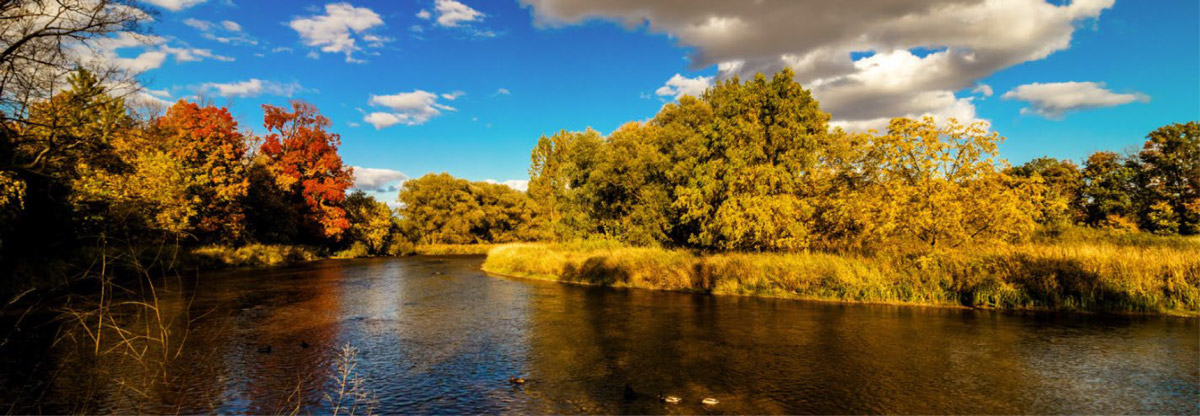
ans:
x=340 y=29
x=174 y=5
x=865 y=60
x=252 y=88
x=1053 y=100
x=451 y=13
x=409 y=108
x=424 y=14
x=679 y=86
x=518 y=184
x=377 y=180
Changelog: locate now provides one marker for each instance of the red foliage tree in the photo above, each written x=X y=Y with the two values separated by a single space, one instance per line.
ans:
x=206 y=139
x=303 y=158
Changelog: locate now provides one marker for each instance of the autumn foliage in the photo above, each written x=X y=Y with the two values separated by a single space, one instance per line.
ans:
x=205 y=140
x=303 y=158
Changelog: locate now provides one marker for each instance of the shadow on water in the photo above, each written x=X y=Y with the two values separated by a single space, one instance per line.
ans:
x=435 y=335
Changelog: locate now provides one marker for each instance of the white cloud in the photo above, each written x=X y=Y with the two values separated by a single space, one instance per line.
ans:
x=226 y=32
x=1053 y=100
x=153 y=52
x=518 y=184
x=174 y=5
x=410 y=108
x=451 y=13
x=679 y=86
x=453 y=95
x=252 y=88
x=202 y=25
x=193 y=54
x=336 y=30
x=424 y=14
x=377 y=180
x=918 y=52
x=502 y=91
x=984 y=89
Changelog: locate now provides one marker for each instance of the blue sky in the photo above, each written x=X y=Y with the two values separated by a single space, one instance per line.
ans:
x=468 y=86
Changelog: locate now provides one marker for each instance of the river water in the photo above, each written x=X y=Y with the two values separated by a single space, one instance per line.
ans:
x=436 y=335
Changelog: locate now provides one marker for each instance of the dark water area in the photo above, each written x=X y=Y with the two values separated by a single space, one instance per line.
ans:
x=436 y=335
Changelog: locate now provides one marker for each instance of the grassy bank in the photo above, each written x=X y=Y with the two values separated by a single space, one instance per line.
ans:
x=1093 y=273
x=452 y=249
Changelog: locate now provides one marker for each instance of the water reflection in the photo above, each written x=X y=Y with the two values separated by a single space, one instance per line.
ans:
x=437 y=336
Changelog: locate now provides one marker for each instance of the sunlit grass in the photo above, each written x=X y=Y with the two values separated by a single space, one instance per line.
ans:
x=1143 y=274
x=452 y=249
x=253 y=255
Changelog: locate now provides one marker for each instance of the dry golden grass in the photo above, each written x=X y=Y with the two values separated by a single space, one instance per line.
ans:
x=452 y=249
x=1140 y=275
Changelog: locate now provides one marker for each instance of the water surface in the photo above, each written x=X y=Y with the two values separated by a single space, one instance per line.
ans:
x=436 y=335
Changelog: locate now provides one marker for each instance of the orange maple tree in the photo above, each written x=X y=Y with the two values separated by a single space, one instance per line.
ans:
x=206 y=140
x=302 y=156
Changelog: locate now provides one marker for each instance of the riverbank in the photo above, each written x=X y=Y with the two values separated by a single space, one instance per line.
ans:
x=129 y=263
x=1107 y=274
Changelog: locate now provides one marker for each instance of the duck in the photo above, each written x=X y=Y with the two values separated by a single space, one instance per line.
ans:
x=265 y=349
x=304 y=344
x=516 y=380
x=668 y=399
x=709 y=401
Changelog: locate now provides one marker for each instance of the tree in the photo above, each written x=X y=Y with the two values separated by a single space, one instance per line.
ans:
x=370 y=222
x=206 y=142
x=66 y=138
x=507 y=213
x=302 y=157
x=1170 y=179
x=627 y=192
x=941 y=185
x=559 y=168
x=39 y=44
x=1107 y=196
x=1062 y=181
x=442 y=209
x=750 y=190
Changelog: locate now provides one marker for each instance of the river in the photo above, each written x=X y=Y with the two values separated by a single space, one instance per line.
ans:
x=436 y=335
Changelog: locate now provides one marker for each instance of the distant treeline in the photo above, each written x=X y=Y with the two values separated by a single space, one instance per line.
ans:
x=755 y=166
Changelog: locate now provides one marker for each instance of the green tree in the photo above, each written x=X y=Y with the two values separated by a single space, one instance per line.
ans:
x=442 y=209
x=507 y=213
x=1107 y=196
x=627 y=192
x=1170 y=178
x=559 y=169
x=750 y=190
x=370 y=222
x=1062 y=181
